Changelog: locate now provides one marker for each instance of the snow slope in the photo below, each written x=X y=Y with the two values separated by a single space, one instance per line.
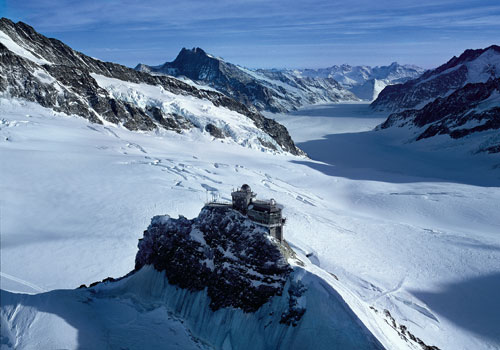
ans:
x=60 y=320
x=409 y=230
x=199 y=112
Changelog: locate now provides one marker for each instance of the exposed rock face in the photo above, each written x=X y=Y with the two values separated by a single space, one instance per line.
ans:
x=46 y=71
x=271 y=90
x=473 y=66
x=224 y=252
x=215 y=131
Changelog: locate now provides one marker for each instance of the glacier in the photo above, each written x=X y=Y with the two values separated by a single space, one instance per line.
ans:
x=440 y=237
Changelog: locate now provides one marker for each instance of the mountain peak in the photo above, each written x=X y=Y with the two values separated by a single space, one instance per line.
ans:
x=467 y=56
x=6 y=22
x=195 y=52
x=195 y=57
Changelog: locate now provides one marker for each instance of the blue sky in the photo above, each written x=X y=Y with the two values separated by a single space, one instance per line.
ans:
x=258 y=33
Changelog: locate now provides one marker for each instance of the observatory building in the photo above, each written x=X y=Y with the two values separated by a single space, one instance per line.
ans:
x=266 y=213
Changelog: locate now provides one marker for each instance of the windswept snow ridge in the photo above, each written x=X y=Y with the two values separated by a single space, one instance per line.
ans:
x=145 y=311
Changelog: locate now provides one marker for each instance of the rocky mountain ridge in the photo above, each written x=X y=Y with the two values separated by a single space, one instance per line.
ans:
x=47 y=71
x=472 y=109
x=461 y=98
x=472 y=66
x=270 y=90
x=235 y=263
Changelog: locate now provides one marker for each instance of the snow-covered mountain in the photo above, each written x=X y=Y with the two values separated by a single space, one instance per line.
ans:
x=459 y=99
x=270 y=90
x=218 y=281
x=48 y=72
x=364 y=81
x=471 y=67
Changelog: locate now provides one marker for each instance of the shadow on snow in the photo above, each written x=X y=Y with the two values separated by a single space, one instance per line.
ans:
x=473 y=305
x=375 y=156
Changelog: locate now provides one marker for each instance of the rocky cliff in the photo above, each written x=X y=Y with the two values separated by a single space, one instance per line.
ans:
x=237 y=262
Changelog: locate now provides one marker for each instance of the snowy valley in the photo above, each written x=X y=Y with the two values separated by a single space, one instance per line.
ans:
x=391 y=243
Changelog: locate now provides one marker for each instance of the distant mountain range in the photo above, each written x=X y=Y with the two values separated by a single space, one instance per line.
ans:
x=46 y=71
x=283 y=90
x=364 y=81
x=459 y=98
x=270 y=90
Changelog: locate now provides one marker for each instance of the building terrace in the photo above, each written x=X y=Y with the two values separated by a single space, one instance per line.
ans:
x=266 y=213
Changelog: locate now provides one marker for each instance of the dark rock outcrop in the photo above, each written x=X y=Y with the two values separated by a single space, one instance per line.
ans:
x=215 y=131
x=223 y=251
x=403 y=331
